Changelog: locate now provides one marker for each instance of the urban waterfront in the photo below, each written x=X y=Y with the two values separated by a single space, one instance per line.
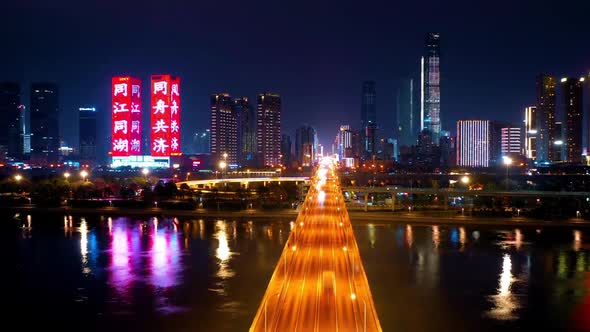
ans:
x=203 y=275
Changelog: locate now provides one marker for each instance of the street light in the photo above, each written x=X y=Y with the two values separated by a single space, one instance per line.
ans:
x=465 y=180
x=145 y=172
x=84 y=174
x=66 y=175
x=222 y=165
x=18 y=177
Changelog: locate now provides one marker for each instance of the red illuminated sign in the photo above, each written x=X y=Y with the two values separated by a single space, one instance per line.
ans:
x=165 y=115
x=126 y=116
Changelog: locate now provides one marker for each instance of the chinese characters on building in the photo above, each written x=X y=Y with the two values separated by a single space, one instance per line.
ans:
x=126 y=116
x=165 y=115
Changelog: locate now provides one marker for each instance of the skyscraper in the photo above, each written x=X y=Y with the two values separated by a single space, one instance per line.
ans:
x=344 y=142
x=88 y=131
x=246 y=131
x=371 y=141
x=224 y=129
x=268 y=129
x=530 y=131
x=44 y=123
x=545 y=117
x=473 y=148
x=511 y=140
x=11 y=116
x=406 y=120
x=368 y=114
x=430 y=90
x=305 y=145
x=286 y=154
x=573 y=110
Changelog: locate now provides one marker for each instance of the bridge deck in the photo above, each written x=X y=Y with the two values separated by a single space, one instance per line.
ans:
x=319 y=283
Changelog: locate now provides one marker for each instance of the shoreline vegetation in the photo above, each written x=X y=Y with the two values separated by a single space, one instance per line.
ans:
x=357 y=217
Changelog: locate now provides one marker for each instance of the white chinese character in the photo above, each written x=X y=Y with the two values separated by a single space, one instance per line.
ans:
x=135 y=145
x=160 y=107
x=160 y=126
x=135 y=91
x=135 y=108
x=121 y=89
x=175 y=90
x=135 y=127
x=160 y=145
x=161 y=86
x=174 y=144
x=174 y=126
x=119 y=108
x=121 y=145
x=174 y=107
x=120 y=126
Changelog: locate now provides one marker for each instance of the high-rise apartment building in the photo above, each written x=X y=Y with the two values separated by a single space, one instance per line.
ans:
x=511 y=141
x=305 y=145
x=473 y=143
x=44 y=123
x=545 y=117
x=573 y=111
x=430 y=90
x=268 y=129
x=407 y=119
x=224 y=129
x=246 y=118
x=11 y=116
x=344 y=142
x=88 y=132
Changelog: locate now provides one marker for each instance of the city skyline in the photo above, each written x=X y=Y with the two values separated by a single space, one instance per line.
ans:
x=314 y=67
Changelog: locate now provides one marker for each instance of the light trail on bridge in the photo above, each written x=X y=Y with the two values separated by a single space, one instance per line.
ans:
x=319 y=283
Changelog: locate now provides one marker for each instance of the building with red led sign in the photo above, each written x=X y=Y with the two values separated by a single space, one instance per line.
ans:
x=165 y=116
x=126 y=116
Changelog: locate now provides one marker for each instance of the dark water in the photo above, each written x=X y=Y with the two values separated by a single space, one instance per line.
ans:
x=149 y=274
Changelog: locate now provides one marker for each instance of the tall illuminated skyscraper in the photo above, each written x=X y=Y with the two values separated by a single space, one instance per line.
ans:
x=430 y=90
x=545 y=117
x=473 y=143
x=344 y=142
x=224 y=129
x=246 y=121
x=407 y=119
x=44 y=123
x=368 y=116
x=11 y=116
x=530 y=132
x=268 y=129
x=573 y=110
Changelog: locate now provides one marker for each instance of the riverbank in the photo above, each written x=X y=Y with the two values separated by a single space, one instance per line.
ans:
x=357 y=217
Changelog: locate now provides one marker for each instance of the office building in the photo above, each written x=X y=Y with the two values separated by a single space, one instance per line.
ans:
x=511 y=141
x=407 y=119
x=12 y=117
x=430 y=89
x=88 y=132
x=545 y=117
x=572 y=90
x=202 y=142
x=305 y=145
x=246 y=118
x=344 y=142
x=224 y=129
x=371 y=140
x=286 y=151
x=473 y=138
x=44 y=123
x=530 y=131
x=268 y=129
x=368 y=114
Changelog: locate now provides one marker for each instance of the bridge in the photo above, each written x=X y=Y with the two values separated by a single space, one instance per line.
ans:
x=210 y=183
x=319 y=283
x=445 y=193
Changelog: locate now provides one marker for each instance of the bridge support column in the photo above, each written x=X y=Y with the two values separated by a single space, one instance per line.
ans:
x=366 y=201
x=393 y=202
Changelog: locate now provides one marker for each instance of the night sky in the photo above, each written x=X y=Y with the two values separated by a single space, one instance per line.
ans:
x=314 y=53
